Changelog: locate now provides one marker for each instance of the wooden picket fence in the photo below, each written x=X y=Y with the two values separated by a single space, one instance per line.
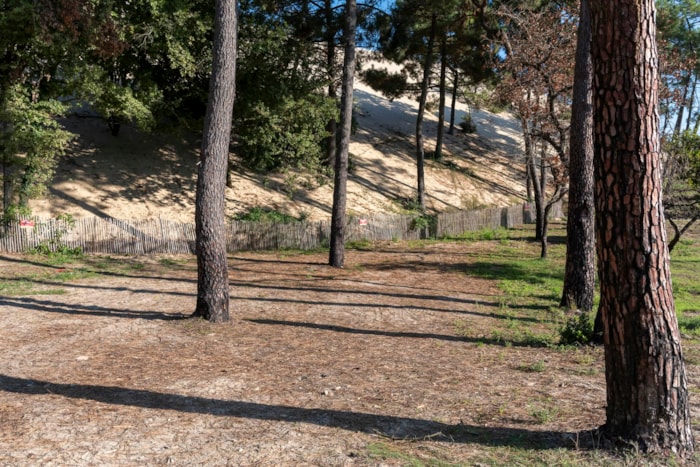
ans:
x=161 y=236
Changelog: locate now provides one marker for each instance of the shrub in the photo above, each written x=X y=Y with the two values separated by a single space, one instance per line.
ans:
x=578 y=329
x=258 y=214
x=467 y=124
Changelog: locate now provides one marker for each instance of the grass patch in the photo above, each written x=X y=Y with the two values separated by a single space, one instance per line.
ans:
x=537 y=367
x=685 y=263
x=258 y=214
x=16 y=286
x=500 y=234
x=542 y=413
x=35 y=284
x=60 y=256
x=385 y=451
x=364 y=244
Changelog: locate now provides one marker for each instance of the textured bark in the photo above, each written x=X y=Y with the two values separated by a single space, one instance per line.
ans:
x=420 y=145
x=337 y=249
x=579 y=280
x=212 y=263
x=647 y=394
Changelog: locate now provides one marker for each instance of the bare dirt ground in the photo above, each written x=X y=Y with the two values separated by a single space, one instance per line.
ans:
x=318 y=366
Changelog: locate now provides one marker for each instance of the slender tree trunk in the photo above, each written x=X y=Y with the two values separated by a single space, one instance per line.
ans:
x=545 y=230
x=691 y=102
x=528 y=178
x=7 y=191
x=210 y=203
x=681 y=108
x=332 y=126
x=679 y=231
x=647 y=390
x=531 y=170
x=337 y=249
x=538 y=198
x=543 y=170
x=579 y=279
x=443 y=91
x=425 y=84
x=453 y=107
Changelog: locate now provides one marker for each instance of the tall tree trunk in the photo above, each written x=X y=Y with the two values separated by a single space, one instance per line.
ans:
x=543 y=169
x=579 y=279
x=647 y=390
x=531 y=171
x=210 y=203
x=691 y=102
x=332 y=126
x=538 y=198
x=681 y=109
x=337 y=249
x=545 y=230
x=425 y=84
x=7 y=191
x=443 y=91
x=455 y=89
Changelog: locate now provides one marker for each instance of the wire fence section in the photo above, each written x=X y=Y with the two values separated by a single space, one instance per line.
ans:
x=161 y=236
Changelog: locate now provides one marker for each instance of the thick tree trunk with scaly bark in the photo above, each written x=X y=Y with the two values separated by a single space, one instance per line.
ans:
x=647 y=390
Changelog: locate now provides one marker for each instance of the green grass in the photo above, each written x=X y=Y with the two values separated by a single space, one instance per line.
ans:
x=386 y=451
x=34 y=284
x=516 y=450
x=531 y=287
x=16 y=286
x=499 y=234
x=258 y=214
x=364 y=244
x=685 y=265
x=60 y=256
x=530 y=290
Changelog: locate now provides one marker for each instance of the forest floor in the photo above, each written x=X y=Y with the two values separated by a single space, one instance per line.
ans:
x=413 y=354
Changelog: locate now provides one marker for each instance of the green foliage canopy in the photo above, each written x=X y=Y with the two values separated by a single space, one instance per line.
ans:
x=282 y=109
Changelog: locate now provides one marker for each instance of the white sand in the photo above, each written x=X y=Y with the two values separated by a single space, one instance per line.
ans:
x=137 y=176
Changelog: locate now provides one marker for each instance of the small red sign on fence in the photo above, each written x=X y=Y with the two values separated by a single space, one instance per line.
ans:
x=26 y=223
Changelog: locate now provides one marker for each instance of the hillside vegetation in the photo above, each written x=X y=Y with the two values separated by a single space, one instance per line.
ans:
x=137 y=175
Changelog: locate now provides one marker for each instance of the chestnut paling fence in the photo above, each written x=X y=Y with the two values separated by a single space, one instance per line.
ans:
x=161 y=236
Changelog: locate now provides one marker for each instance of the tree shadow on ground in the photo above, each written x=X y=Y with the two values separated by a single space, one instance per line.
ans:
x=508 y=271
x=91 y=264
x=391 y=426
x=413 y=335
x=408 y=307
x=88 y=310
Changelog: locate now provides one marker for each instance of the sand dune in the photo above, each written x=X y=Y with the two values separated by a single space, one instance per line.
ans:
x=137 y=176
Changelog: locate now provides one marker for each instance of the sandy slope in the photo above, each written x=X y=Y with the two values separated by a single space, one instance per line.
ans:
x=137 y=176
